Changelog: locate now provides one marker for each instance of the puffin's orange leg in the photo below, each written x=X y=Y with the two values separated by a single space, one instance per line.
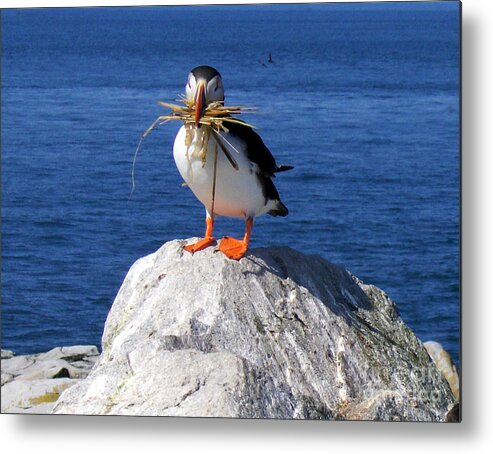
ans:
x=208 y=240
x=236 y=249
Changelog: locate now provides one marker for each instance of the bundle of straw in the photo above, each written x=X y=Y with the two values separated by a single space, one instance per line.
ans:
x=215 y=115
x=214 y=118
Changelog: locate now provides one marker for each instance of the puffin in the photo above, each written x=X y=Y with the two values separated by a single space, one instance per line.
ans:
x=230 y=171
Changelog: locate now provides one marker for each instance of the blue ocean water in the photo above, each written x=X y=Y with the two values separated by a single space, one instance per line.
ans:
x=362 y=99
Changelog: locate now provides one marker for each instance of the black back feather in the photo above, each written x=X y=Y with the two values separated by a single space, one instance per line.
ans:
x=258 y=153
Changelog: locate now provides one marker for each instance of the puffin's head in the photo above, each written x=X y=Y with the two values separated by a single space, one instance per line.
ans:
x=204 y=86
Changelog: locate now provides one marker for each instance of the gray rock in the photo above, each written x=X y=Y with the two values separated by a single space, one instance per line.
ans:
x=276 y=335
x=71 y=354
x=17 y=364
x=59 y=363
x=57 y=368
x=7 y=354
x=444 y=363
x=32 y=396
x=454 y=414
x=6 y=378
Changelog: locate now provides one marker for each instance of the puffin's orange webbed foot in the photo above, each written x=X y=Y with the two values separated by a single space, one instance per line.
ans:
x=208 y=240
x=233 y=248
x=199 y=245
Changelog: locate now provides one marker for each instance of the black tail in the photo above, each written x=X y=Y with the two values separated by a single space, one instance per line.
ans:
x=283 y=168
x=279 y=210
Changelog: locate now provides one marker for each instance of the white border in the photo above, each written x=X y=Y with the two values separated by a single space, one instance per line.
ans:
x=46 y=434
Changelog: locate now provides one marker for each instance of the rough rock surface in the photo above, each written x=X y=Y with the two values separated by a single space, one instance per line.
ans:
x=444 y=363
x=33 y=383
x=278 y=334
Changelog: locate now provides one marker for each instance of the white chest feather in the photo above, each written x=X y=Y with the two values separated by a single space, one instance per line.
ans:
x=238 y=193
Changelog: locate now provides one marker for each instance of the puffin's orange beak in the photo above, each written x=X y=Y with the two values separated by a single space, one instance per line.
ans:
x=199 y=103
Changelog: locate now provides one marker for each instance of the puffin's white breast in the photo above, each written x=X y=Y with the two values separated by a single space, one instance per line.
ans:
x=238 y=193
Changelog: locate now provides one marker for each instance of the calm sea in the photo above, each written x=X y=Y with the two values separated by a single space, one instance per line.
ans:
x=362 y=99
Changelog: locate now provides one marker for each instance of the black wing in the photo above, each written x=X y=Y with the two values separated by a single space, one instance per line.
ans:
x=257 y=152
